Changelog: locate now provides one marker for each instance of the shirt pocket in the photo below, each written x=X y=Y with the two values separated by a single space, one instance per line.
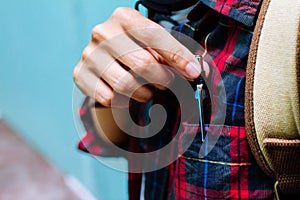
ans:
x=221 y=167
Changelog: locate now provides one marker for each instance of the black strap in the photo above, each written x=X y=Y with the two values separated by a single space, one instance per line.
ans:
x=165 y=6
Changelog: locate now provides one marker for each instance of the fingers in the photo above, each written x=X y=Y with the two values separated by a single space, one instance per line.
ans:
x=92 y=86
x=129 y=40
x=105 y=66
x=125 y=83
x=173 y=52
x=142 y=61
x=143 y=64
x=157 y=38
x=101 y=60
x=114 y=83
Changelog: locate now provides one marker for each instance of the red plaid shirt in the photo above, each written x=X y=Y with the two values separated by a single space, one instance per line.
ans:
x=229 y=171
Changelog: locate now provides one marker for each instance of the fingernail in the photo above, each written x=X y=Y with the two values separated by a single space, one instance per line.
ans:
x=193 y=70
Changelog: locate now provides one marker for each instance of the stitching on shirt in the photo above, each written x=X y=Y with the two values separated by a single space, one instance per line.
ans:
x=191 y=27
x=238 y=27
x=218 y=162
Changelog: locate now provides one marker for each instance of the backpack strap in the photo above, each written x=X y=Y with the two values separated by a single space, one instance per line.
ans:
x=272 y=95
x=165 y=6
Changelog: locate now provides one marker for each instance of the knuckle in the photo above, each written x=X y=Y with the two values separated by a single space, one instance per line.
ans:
x=175 y=55
x=118 y=11
x=86 y=52
x=105 y=100
x=124 y=13
x=146 y=97
x=142 y=64
x=122 y=87
x=97 y=33
x=124 y=84
x=75 y=74
x=145 y=60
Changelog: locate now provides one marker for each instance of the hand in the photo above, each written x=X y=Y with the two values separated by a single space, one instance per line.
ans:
x=144 y=46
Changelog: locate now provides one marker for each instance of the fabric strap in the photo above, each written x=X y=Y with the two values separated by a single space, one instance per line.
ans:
x=272 y=110
x=165 y=6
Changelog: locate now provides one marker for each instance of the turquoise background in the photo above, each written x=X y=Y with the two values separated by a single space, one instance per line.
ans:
x=40 y=43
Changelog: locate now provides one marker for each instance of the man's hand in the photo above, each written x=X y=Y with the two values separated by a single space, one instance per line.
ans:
x=124 y=49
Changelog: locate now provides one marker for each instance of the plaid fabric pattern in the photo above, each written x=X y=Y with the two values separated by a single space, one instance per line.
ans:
x=240 y=10
x=228 y=171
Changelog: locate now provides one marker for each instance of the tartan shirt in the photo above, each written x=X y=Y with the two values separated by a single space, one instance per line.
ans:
x=229 y=171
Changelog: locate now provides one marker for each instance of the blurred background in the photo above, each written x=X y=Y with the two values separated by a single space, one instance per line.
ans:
x=40 y=43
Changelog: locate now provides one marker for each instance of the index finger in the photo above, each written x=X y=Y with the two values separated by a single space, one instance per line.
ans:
x=154 y=36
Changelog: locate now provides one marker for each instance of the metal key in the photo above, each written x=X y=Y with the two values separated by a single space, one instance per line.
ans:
x=199 y=96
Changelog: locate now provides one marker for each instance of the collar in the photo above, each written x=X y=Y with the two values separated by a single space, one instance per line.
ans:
x=243 y=11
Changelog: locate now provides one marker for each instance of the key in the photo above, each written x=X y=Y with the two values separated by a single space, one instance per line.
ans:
x=199 y=96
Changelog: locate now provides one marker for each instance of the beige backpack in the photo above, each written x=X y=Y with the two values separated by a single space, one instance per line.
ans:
x=273 y=94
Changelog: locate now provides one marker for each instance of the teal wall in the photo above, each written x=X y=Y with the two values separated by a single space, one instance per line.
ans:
x=40 y=43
